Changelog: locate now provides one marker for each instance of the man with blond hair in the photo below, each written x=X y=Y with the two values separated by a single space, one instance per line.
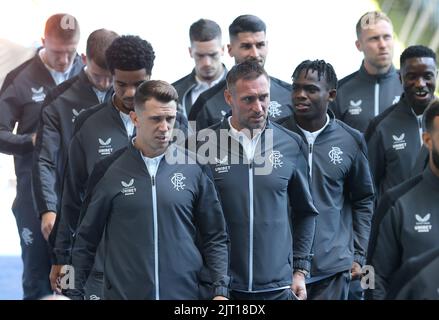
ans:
x=367 y=92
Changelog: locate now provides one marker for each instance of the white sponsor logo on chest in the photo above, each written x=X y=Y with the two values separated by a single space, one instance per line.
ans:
x=399 y=142
x=222 y=165
x=128 y=188
x=354 y=108
x=105 y=147
x=38 y=95
x=423 y=223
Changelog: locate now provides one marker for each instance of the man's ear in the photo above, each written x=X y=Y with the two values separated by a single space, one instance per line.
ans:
x=134 y=118
x=426 y=138
x=358 y=45
x=229 y=50
x=190 y=52
x=332 y=95
x=228 y=97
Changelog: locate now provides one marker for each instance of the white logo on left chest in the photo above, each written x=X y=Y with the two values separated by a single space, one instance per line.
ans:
x=128 y=188
x=274 y=109
x=177 y=181
x=222 y=165
x=423 y=223
x=38 y=95
x=399 y=142
x=355 y=107
x=335 y=155
x=105 y=147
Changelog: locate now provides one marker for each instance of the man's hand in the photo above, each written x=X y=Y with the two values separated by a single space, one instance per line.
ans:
x=298 y=285
x=47 y=222
x=356 y=272
x=219 y=298
x=55 y=277
x=34 y=139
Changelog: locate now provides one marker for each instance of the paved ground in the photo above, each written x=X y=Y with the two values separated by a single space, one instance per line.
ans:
x=10 y=260
x=10 y=278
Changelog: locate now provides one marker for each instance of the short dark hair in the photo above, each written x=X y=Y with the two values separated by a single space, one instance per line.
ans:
x=369 y=19
x=417 y=51
x=97 y=43
x=246 y=23
x=247 y=70
x=130 y=53
x=157 y=89
x=323 y=69
x=430 y=113
x=62 y=26
x=204 y=30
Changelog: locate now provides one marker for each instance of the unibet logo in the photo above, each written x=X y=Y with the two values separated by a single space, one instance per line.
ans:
x=399 y=142
x=105 y=147
x=128 y=188
x=423 y=223
x=38 y=95
x=221 y=165
x=355 y=107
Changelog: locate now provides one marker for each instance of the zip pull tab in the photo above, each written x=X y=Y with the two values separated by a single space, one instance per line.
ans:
x=310 y=148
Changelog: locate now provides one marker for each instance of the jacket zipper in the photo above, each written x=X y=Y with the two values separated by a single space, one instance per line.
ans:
x=377 y=98
x=310 y=147
x=420 y=129
x=156 y=241
x=251 y=216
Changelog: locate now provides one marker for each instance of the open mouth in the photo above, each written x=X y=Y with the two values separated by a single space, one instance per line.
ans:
x=162 y=138
x=422 y=94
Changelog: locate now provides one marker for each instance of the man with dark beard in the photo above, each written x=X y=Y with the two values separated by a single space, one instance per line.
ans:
x=407 y=229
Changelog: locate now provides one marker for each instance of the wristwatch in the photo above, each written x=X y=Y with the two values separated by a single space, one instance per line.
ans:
x=302 y=271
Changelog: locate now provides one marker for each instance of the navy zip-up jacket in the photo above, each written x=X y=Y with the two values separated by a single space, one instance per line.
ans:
x=343 y=193
x=362 y=96
x=22 y=96
x=150 y=225
x=407 y=229
x=393 y=142
x=99 y=131
x=417 y=279
x=61 y=107
x=255 y=197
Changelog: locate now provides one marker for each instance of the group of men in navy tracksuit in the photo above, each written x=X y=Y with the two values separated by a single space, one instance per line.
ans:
x=275 y=194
